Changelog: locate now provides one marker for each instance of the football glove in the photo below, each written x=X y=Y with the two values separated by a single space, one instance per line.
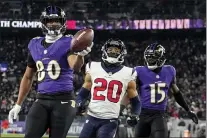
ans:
x=82 y=107
x=86 y=51
x=13 y=113
x=132 y=120
x=193 y=116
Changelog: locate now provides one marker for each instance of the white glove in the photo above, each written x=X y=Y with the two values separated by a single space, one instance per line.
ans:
x=13 y=113
x=86 y=51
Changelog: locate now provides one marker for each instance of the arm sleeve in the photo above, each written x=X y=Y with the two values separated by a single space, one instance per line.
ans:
x=30 y=61
x=181 y=101
x=136 y=105
x=82 y=95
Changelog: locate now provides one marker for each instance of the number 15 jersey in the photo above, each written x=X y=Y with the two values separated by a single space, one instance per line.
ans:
x=107 y=90
x=153 y=88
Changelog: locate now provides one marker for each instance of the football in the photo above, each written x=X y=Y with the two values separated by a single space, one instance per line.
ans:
x=82 y=39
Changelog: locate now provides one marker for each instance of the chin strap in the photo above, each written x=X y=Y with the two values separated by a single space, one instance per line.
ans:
x=52 y=39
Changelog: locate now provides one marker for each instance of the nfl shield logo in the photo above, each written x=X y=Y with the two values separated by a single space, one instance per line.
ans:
x=45 y=51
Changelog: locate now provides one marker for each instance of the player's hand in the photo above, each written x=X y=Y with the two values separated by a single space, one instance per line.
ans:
x=193 y=116
x=86 y=51
x=81 y=108
x=132 y=120
x=14 y=112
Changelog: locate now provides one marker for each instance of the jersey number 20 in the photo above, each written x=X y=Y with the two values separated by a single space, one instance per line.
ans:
x=109 y=88
x=155 y=90
x=52 y=65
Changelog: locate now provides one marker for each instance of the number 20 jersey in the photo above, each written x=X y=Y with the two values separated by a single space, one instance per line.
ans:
x=107 y=90
x=53 y=72
x=153 y=88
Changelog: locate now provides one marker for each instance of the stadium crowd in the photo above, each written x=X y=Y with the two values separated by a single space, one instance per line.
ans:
x=187 y=55
x=106 y=9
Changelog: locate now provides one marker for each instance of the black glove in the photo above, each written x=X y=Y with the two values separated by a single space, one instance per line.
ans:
x=193 y=116
x=132 y=120
x=81 y=107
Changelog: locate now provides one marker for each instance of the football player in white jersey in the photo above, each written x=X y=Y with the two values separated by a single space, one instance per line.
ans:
x=107 y=81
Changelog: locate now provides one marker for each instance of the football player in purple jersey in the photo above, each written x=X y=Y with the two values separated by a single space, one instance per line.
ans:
x=154 y=81
x=52 y=60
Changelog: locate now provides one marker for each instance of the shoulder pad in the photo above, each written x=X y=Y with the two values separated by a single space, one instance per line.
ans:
x=34 y=40
x=139 y=69
x=171 y=68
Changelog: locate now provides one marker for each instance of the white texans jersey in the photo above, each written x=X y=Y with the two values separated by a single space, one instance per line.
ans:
x=107 y=90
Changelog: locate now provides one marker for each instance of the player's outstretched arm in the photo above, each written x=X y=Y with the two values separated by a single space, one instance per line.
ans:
x=135 y=103
x=24 y=89
x=84 y=94
x=181 y=101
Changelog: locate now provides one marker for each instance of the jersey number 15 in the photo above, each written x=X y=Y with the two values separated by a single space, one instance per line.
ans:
x=109 y=88
x=155 y=91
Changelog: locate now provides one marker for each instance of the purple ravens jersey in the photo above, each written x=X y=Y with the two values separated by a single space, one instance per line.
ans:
x=53 y=72
x=154 y=87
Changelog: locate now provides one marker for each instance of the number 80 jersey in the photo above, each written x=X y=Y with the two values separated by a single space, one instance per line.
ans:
x=107 y=90
x=153 y=88
x=53 y=72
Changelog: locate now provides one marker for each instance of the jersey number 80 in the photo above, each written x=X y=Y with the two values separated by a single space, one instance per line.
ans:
x=109 y=88
x=53 y=70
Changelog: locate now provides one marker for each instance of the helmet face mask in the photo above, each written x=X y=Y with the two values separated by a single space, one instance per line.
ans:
x=154 y=56
x=53 y=21
x=114 y=52
x=53 y=24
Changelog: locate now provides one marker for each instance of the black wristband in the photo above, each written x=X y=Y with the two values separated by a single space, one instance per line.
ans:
x=181 y=101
